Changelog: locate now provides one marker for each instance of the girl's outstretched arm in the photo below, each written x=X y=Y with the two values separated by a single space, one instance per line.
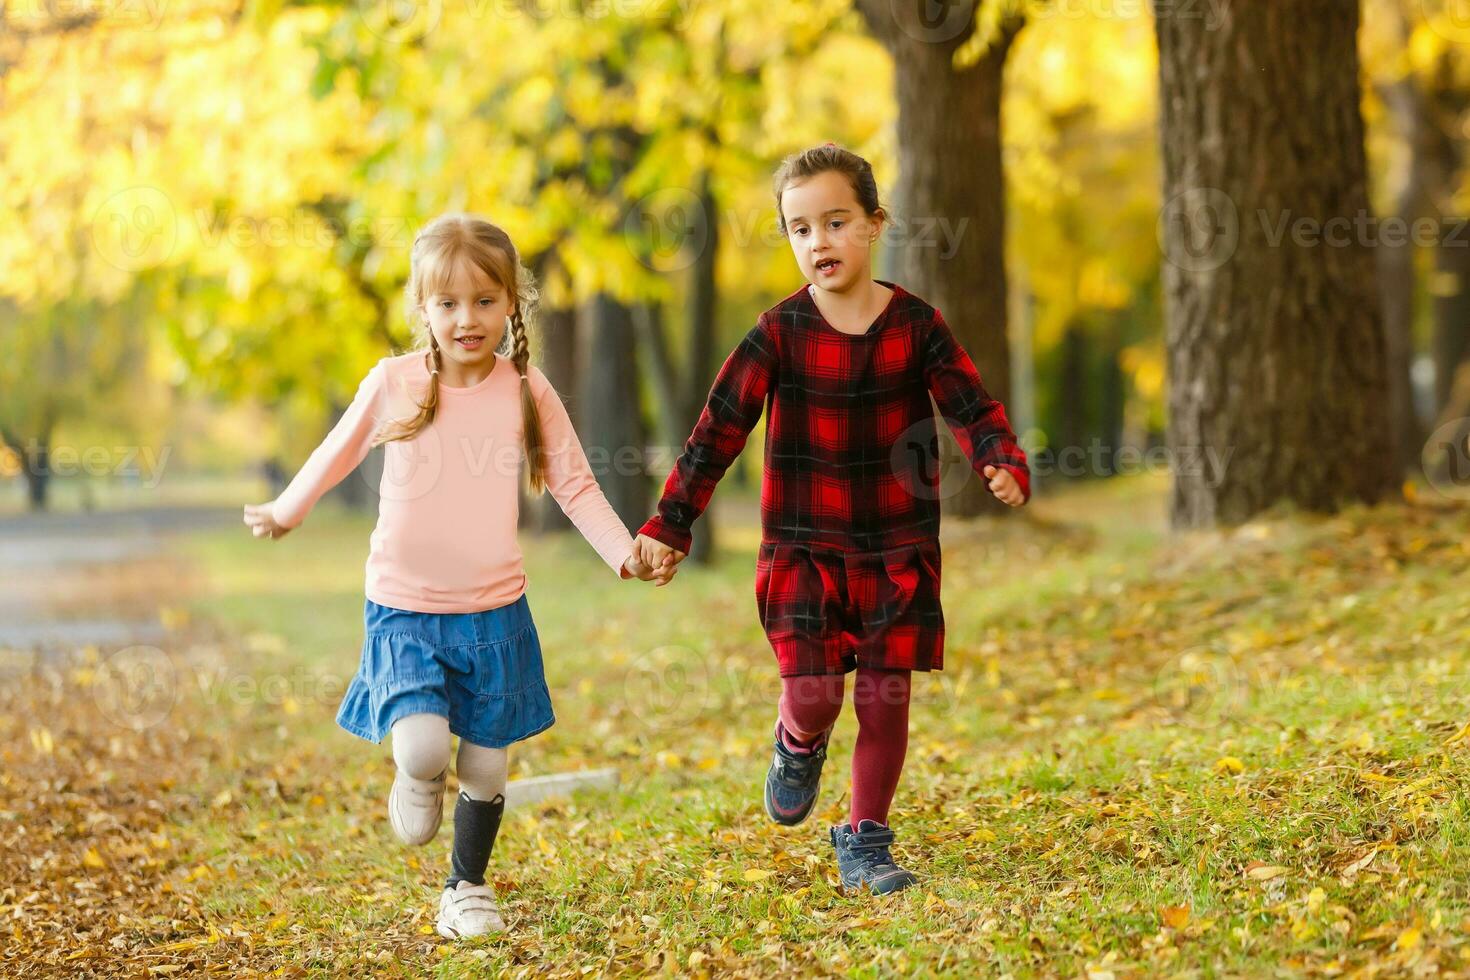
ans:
x=735 y=403
x=572 y=484
x=338 y=455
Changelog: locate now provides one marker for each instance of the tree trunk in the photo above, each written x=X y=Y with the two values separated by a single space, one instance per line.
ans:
x=1426 y=106
x=951 y=185
x=1396 y=279
x=1413 y=199
x=1451 y=307
x=37 y=462
x=611 y=421
x=1073 y=415
x=1021 y=409
x=1114 y=394
x=653 y=339
x=558 y=328
x=704 y=300
x=1278 y=379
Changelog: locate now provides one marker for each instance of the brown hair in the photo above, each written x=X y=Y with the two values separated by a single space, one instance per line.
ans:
x=819 y=160
x=437 y=249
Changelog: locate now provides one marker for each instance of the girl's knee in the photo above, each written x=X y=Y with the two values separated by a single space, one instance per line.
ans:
x=482 y=771
x=810 y=704
x=421 y=745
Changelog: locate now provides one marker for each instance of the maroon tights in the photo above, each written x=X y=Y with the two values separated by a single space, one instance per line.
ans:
x=810 y=705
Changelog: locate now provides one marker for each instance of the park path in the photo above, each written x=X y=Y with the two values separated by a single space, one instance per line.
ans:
x=94 y=579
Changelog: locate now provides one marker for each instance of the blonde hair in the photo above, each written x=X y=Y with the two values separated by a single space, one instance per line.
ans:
x=437 y=249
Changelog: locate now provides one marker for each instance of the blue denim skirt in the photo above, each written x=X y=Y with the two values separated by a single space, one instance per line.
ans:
x=483 y=671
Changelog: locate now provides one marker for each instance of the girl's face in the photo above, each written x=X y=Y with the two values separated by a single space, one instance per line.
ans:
x=830 y=233
x=468 y=317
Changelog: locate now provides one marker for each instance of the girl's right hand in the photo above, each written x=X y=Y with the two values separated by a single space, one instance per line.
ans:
x=262 y=522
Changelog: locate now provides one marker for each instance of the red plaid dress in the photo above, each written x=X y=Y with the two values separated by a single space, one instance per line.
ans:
x=848 y=569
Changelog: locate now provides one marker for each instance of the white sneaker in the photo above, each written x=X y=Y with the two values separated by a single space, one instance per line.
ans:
x=468 y=910
x=416 y=807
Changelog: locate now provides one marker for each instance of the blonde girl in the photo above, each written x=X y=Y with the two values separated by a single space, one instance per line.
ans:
x=451 y=648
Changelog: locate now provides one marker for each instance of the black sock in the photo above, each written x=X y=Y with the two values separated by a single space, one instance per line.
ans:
x=476 y=823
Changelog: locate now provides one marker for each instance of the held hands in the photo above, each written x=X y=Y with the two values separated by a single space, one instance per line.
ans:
x=262 y=522
x=662 y=573
x=656 y=555
x=1004 y=486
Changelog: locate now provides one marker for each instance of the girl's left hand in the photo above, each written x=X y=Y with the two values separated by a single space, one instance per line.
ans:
x=1004 y=486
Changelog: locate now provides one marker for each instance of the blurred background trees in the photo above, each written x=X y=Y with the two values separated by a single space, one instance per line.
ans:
x=206 y=210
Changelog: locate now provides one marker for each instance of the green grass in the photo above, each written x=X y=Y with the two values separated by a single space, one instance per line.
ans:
x=1148 y=754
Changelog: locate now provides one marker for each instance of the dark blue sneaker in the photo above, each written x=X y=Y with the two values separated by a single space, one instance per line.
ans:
x=863 y=860
x=793 y=779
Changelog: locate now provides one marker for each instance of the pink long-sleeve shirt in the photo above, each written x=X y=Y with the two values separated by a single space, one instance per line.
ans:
x=446 y=541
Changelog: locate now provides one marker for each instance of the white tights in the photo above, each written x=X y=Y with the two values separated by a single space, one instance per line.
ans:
x=421 y=748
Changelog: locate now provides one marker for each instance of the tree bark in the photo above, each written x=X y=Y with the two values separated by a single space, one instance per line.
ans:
x=951 y=185
x=1278 y=381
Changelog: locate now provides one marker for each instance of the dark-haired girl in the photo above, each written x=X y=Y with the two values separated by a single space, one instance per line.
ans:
x=847 y=576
